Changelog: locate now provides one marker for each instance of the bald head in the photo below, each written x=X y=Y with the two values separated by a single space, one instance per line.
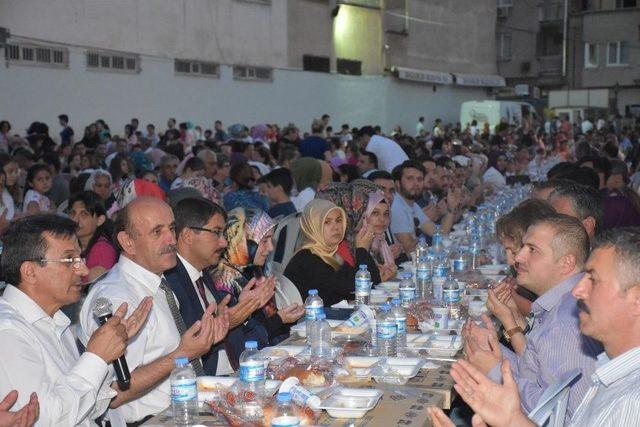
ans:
x=145 y=231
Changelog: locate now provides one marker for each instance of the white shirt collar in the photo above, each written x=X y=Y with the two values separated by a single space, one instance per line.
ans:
x=194 y=273
x=139 y=273
x=30 y=310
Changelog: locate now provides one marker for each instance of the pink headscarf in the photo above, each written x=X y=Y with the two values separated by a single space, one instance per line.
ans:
x=379 y=244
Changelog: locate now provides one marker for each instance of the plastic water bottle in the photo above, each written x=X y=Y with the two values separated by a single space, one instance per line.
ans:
x=386 y=331
x=363 y=285
x=184 y=393
x=320 y=335
x=421 y=248
x=475 y=250
x=440 y=273
x=285 y=413
x=252 y=371
x=452 y=299
x=436 y=239
x=313 y=305
x=459 y=262
x=423 y=279
x=401 y=324
x=407 y=290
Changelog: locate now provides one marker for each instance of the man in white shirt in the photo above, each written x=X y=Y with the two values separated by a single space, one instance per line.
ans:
x=389 y=153
x=608 y=300
x=145 y=232
x=41 y=258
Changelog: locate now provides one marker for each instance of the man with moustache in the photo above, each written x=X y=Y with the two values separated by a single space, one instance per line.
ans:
x=550 y=263
x=200 y=243
x=145 y=233
x=41 y=261
x=608 y=298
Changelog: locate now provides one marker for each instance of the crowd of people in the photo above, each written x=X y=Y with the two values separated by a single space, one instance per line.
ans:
x=190 y=232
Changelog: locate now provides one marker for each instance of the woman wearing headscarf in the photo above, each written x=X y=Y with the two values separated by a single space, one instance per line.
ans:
x=309 y=174
x=366 y=207
x=100 y=183
x=318 y=265
x=240 y=273
x=495 y=173
x=242 y=192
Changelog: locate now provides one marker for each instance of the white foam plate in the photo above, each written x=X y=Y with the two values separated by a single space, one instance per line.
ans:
x=301 y=329
x=275 y=353
x=351 y=402
x=392 y=286
x=436 y=345
x=407 y=367
x=427 y=328
x=493 y=270
x=223 y=384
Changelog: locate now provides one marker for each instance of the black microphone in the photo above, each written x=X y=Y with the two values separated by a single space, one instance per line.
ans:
x=103 y=310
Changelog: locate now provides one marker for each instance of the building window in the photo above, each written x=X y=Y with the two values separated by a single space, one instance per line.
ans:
x=116 y=62
x=374 y=4
x=617 y=53
x=591 y=55
x=320 y=64
x=503 y=47
x=185 y=67
x=262 y=74
x=347 y=66
x=622 y=4
x=36 y=55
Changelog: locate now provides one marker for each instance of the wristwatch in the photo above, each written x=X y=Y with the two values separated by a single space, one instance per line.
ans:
x=511 y=332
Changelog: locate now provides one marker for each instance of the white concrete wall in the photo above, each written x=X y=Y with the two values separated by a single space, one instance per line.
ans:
x=225 y=31
x=35 y=93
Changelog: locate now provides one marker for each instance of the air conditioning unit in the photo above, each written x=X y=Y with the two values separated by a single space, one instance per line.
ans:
x=503 y=12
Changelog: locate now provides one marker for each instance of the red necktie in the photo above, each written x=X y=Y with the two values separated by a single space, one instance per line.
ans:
x=200 y=285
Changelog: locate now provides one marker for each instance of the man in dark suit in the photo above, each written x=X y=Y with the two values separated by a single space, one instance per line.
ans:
x=200 y=243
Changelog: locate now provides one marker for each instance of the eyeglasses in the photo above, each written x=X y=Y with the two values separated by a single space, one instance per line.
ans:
x=76 y=262
x=218 y=233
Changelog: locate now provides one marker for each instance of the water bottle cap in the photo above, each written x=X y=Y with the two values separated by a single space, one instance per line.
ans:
x=363 y=266
x=395 y=301
x=251 y=344
x=180 y=361
x=313 y=292
x=284 y=397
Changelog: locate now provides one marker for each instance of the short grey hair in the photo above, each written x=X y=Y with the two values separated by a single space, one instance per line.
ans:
x=168 y=158
x=586 y=201
x=626 y=243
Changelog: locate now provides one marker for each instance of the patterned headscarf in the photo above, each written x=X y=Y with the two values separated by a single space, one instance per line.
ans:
x=379 y=246
x=312 y=226
x=205 y=186
x=244 y=230
x=353 y=197
x=130 y=190
x=88 y=185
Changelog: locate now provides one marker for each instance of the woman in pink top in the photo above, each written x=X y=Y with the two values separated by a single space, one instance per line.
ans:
x=94 y=231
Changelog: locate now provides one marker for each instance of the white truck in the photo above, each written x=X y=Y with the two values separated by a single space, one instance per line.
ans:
x=493 y=112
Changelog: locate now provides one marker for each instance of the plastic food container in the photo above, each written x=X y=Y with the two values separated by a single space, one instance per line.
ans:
x=351 y=402
x=212 y=388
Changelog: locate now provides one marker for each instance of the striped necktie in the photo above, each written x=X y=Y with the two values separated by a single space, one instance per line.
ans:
x=177 y=319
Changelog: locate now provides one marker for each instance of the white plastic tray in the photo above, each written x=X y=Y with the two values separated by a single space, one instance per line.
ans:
x=436 y=345
x=407 y=367
x=278 y=353
x=223 y=384
x=351 y=402
x=301 y=329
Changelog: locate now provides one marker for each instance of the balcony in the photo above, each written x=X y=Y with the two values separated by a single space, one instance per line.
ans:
x=551 y=11
x=550 y=65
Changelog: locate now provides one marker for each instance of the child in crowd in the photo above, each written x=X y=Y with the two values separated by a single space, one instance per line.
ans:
x=38 y=183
